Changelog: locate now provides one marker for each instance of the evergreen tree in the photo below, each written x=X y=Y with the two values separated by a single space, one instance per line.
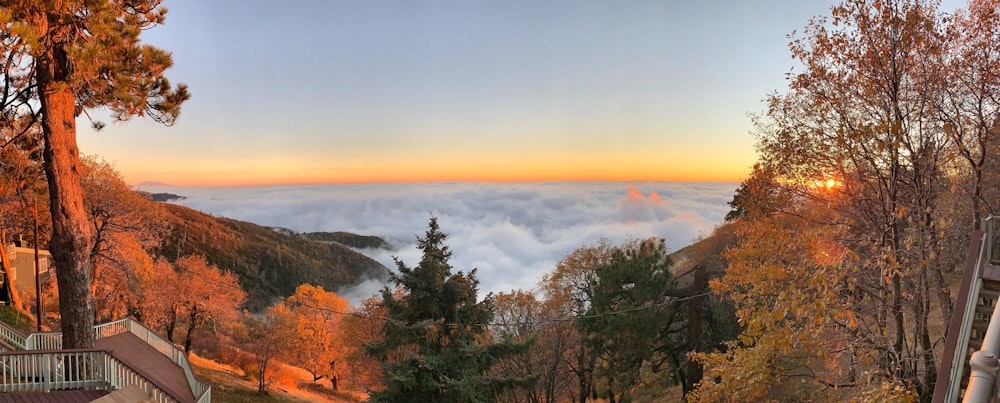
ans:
x=626 y=310
x=60 y=59
x=435 y=347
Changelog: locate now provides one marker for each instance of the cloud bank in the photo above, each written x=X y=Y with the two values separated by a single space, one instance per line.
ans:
x=513 y=233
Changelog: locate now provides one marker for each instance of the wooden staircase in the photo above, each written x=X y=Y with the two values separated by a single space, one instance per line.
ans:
x=978 y=297
x=986 y=301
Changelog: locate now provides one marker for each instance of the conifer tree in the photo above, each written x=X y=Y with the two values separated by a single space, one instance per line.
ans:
x=435 y=348
x=62 y=58
x=622 y=326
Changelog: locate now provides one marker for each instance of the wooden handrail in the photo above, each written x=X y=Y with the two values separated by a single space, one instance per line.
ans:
x=952 y=361
x=42 y=369
x=48 y=342
x=199 y=388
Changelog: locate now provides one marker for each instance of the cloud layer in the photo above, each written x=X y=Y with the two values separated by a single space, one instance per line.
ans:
x=513 y=233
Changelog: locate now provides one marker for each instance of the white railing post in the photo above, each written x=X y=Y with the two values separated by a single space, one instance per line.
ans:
x=984 y=363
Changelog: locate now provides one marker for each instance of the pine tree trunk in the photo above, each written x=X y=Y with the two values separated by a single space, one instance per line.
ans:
x=72 y=238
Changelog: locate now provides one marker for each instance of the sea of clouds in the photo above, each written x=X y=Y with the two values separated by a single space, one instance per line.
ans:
x=513 y=233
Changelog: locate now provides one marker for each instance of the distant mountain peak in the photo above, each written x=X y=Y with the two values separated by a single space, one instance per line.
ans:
x=144 y=184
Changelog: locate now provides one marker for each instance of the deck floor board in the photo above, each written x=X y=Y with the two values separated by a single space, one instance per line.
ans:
x=138 y=355
x=62 y=396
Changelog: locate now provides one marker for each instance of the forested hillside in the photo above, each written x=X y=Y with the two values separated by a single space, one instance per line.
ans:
x=269 y=263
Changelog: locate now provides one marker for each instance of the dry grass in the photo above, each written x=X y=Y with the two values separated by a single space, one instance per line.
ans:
x=289 y=384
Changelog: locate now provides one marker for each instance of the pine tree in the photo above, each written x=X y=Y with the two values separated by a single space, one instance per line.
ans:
x=435 y=348
x=60 y=59
x=626 y=311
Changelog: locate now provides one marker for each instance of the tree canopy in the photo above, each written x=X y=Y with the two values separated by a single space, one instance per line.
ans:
x=434 y=345
x=883 y=147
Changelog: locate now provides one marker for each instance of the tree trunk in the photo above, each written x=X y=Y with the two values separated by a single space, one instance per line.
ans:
x=171 y=325
x=190 y=330
x=261 y=380
x=897 y=315
x=15 y=298
x=72 y=237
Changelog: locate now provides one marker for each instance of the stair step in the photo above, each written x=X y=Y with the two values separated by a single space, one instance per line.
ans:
x=990 y=273
x=984 y=292
x=974 y=344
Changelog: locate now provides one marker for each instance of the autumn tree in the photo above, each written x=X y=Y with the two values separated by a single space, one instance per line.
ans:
x=189 y=293
x=317 y=314
x=970 y=110
x=700 y=321
x=788 y=282
x=163 y=304
x=567 y=291
x=123 y=286
x=864 y=114
x=125 y=226
x=436 y=330
x=362 y=328
x=209 y=295
x=119 y=216
x=267 y=338
x=71 y=57
x=759 y=195
x=19 y=192
x=518 y=316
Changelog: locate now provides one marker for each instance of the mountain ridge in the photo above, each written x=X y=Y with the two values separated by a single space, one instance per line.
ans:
x=269 y=263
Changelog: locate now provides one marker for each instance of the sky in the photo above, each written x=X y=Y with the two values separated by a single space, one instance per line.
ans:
x=312 y=92
x=512 y=233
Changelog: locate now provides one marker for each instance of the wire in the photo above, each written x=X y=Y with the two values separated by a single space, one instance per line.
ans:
x=493 y=324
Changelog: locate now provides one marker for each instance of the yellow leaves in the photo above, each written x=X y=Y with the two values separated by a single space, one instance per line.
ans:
x=787 y=278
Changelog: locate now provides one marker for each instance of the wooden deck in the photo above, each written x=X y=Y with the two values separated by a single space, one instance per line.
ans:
x=63 y=396
x=136 y=354
x=146 y=360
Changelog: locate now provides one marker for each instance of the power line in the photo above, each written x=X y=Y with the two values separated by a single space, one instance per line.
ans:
x=494 y=324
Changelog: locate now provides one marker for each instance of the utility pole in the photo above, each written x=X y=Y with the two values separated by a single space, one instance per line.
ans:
x=38 y=284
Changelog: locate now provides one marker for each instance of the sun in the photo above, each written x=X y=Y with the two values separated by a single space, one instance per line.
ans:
x=825 y=184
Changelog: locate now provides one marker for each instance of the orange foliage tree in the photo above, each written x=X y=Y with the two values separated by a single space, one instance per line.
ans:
x=895 y=107
x=317 y=314
x=268 y=337
x=567 y=291
x=124 y=223
x=522 y=317
x=209 y=294
x=120 y=289
x=162 y=306
x=786 y=279
x=191 y=292
x=363 y=327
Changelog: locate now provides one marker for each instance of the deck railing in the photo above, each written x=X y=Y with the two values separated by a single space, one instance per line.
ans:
x=200 y=390
x=53 y=341
x=71 y=369
x=954 y=359
x=984 y=364
x=44 y=341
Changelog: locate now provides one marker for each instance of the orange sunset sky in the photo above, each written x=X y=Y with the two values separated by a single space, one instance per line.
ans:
x=311 y=92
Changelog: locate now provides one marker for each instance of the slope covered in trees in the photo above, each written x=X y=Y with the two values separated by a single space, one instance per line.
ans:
x=269 y=263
